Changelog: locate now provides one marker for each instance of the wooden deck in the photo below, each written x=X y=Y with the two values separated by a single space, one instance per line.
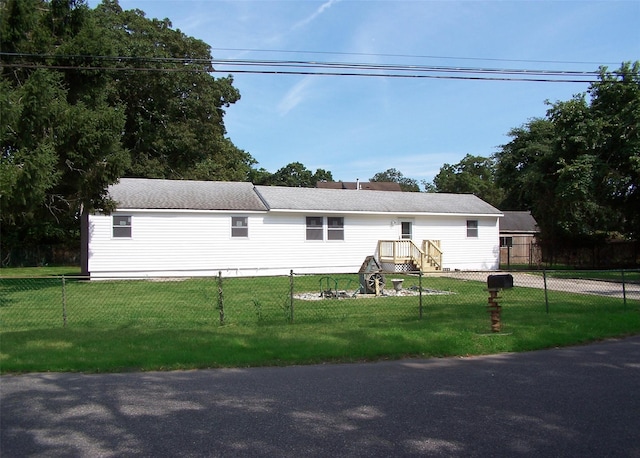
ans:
x=425 y=258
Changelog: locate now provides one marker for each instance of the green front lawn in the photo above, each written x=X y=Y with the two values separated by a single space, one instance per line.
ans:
x=38 y=271
x=147 y=325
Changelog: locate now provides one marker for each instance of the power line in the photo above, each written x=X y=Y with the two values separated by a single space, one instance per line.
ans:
x=289 y=67
x=303 y=73
x=395 y=75
x=305 y=63
x=416 y=56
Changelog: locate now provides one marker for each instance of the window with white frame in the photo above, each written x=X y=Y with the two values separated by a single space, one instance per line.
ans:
x=239 y=226
x=335 y=228
x=315 y=228
x=472 y=228
x=121 y=226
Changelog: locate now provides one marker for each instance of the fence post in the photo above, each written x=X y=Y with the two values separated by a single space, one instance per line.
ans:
x=624 y=291
x=64 y=302
x=420 y=292
x=291 y=291
x=220 y=298
x=546 y=295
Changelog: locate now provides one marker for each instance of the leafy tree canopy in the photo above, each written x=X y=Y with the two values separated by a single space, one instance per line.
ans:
x=294 y=174
x=395 y=176
x=88 y=96
x=472 y=175
x=578 y=169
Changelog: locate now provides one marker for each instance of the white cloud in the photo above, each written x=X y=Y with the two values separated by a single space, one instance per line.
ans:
x=315 y=14
x=295 y=96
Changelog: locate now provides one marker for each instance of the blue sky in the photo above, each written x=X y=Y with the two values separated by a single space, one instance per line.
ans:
x=356 y=126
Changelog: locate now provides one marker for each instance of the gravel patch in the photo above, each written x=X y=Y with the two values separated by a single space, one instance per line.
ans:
x=355 y=294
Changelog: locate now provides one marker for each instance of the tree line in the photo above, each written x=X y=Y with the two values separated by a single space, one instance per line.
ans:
x=577 y=169
x=91 y=95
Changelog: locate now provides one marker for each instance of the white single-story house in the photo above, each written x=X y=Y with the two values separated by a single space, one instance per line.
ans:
x=200 y=228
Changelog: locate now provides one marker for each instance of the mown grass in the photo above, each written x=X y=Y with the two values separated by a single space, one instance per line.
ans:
x=107 y=326
x=38 y=271
x=630 y=276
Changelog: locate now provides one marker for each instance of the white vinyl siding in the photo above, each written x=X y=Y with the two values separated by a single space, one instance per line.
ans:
x=459 y=251
x=278 y=244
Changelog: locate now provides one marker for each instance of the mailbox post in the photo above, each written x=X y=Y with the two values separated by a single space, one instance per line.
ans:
x=496 y=283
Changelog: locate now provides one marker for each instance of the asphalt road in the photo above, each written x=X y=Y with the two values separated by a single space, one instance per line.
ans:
x=569 y=402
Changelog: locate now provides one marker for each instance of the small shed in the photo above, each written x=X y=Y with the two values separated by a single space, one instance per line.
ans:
x=518 y=243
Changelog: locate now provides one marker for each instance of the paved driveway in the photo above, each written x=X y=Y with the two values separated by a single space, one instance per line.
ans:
x=593 y=287
x=570 y=402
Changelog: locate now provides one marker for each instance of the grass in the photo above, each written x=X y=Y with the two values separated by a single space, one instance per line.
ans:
x=111 y=326
x=38 y=271
x=630 y=276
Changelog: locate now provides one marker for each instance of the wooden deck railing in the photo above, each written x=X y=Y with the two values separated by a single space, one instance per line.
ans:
x=427 y=258
x=433 y=252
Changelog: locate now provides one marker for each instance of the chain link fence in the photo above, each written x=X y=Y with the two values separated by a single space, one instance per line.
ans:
x=202 y=303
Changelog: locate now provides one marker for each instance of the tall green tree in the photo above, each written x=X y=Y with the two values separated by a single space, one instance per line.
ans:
x=58 y=154
x=577 y=169
x=395 y=176
x=472 y=175
x=615 y=102
x=174 y=108
x=88 y=96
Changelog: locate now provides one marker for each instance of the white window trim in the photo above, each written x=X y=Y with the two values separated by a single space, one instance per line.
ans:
x=114 y=226
x=471 y=229
x=319 y=229
x=335 y=230
x=245 y=226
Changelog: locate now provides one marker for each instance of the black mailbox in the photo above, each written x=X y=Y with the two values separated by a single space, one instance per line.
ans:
x=502 y=281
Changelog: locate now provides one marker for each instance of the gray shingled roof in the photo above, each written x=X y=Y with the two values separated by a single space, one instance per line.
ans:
x=141 y=193
x=182 y=194
x=518 y=221
x=345 y=200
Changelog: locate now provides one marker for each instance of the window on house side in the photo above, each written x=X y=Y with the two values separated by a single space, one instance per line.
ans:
x=506 y=241
x=314 y=227
x=121 y=226
x=239 y=226
x=472 y=228
x=335 y=228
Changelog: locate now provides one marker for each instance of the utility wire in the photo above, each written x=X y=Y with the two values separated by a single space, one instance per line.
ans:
x=288 y=67
x=415 y=56
x=305 y=63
